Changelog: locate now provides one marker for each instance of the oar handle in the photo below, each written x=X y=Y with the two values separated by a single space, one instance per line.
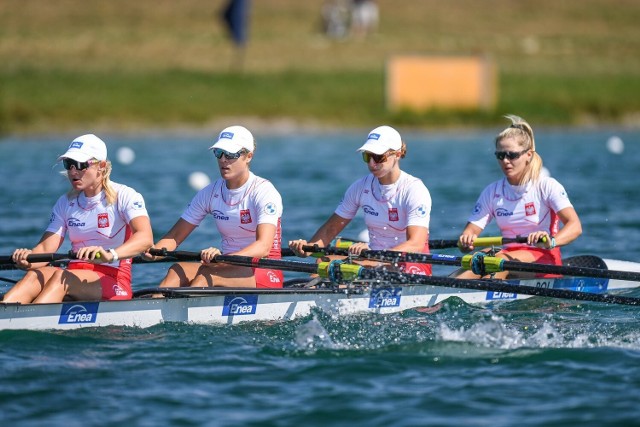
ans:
x=35 y=258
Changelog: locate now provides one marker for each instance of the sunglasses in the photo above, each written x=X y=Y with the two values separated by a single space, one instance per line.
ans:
x=219 y=152
x=511 y=155
x=377 y=158
x=79 y=166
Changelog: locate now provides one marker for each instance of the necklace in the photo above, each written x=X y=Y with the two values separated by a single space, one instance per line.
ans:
x=515 y=191
x=91 y=201
x=384 y=191
x=231 y=198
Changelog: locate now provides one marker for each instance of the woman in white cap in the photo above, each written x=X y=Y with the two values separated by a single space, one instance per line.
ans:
x=396 y=205
x=247 y=211
x=107 y=224
x=523 y=203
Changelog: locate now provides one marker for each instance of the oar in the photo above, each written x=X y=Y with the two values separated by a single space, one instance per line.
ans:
x=338 y=271
x=299 y=266
x=341 y=248
x=7 y=259
x=482 y=265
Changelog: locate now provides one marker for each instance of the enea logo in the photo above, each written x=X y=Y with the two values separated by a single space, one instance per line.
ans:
x=369 y=210
x=79 y=313
x=385 y=297
x=235 y=305
x=74 y=222
x=219 y=215
x=492 y=296
x=503 y=212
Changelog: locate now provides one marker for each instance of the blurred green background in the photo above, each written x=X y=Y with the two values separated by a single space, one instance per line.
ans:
x=128 y=65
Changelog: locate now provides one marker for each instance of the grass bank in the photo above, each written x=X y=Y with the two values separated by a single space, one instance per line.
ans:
x=41 y=101
x=154 y=63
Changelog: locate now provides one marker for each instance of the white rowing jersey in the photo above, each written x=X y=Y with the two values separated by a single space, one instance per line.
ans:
x=521 y=209
x=89 y=221
x=238 y=212
x=388 y=209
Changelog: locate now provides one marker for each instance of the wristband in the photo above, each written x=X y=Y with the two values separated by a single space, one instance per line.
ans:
x=114 y=254
x=553 y=243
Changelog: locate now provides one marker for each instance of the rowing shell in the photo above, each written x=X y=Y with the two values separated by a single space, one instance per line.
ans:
x=232 y=306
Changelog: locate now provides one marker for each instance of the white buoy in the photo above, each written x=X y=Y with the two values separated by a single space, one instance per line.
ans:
x=125 y=155
x=615 y=145
x=199 y=180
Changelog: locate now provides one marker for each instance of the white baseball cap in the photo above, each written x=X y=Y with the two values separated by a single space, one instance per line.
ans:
x=86 y=147
x=234 y=139
x=381 y=140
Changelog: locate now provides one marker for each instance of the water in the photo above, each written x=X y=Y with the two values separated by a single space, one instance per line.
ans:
x=535 y=362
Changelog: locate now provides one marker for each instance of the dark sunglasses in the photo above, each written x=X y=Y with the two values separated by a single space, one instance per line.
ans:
x=377 y=158
x=511 y=155
x=80 y=166
x=219 y=152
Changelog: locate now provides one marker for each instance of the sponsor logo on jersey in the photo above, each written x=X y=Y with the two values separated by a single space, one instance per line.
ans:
x=74 y=222
x=138 y=204
x=530 y=209
x=245 y=216
x=393 y=214
x=103 y=220
x=422 y=211
x=239 y=305
x=385 y=297
x=476 y=208
x=52 y=217
x=79 y=313
x=503 y=212
x=219 y=215
x=369 y=210
x=270 y=209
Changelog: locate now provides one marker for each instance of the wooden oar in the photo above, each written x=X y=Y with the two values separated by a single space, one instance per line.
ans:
x=341 y=248
x=338 y=271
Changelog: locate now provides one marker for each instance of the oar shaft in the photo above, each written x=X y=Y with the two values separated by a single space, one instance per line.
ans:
x=342 y=247
x=496 y=286
x=246 y=261
x=34 y=258
x=570 y=271
x=351 y=272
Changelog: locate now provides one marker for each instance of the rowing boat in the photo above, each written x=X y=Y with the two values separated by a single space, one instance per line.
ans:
x=300 y=298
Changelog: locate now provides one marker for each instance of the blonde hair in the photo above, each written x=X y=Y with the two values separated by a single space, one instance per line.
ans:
x=522 y=132
x=403 y=150
x=110 y=194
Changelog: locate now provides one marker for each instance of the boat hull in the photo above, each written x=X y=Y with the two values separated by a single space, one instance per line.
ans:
x=231 y=306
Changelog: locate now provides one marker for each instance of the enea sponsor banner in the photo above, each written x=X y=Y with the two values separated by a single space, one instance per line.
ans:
x=79 y=313
x=385 y=297
x=240 y=305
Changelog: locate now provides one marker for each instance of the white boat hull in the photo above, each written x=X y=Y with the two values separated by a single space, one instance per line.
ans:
x=232 y=306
